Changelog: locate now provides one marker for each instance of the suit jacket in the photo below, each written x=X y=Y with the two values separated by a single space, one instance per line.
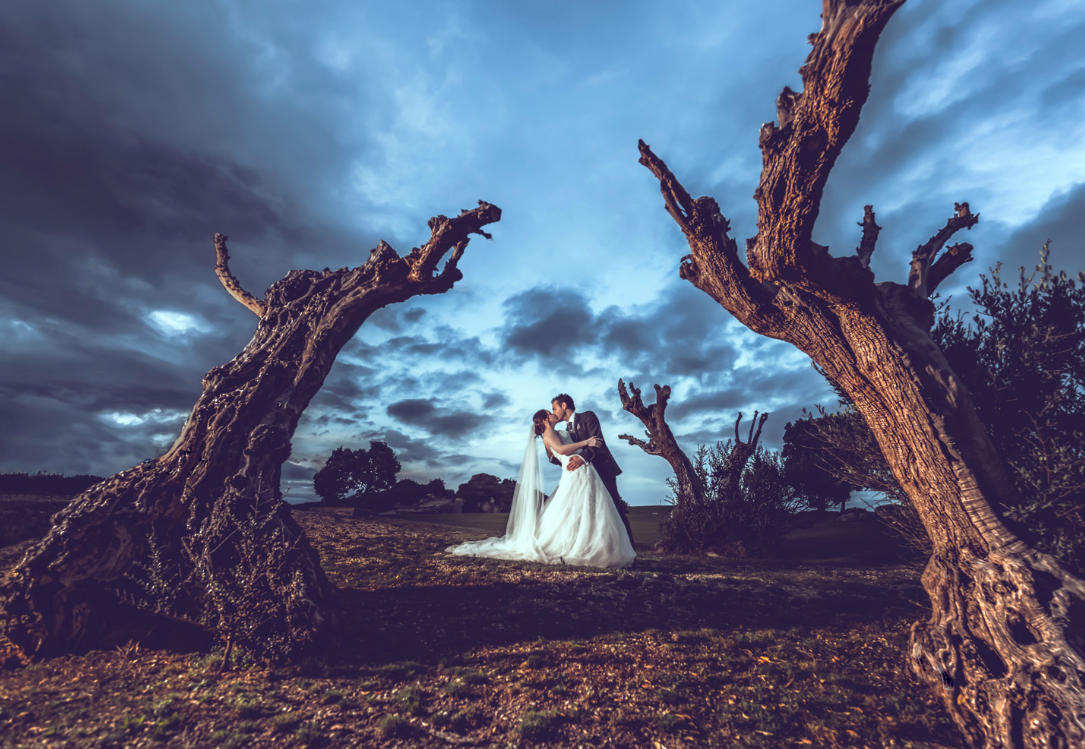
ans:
x=587 y=425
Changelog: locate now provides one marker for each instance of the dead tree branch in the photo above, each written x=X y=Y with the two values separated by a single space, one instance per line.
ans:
x=231 y=284
x=919 y=273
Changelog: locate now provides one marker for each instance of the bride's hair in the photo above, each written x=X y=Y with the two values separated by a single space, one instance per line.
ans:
x=540 y=419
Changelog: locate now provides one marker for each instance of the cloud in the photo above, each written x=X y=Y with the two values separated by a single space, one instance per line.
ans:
x=495 y=400
x=423 y=413
x=141 y=129
x=550 y=324
x=706 y=403
x=410 y=450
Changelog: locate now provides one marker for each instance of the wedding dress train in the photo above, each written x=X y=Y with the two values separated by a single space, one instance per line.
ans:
x=578 y=525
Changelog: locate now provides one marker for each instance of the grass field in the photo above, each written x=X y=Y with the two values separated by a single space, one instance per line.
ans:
x=438 y=651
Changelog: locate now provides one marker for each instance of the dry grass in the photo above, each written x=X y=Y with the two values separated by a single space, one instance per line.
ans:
x=440 y=651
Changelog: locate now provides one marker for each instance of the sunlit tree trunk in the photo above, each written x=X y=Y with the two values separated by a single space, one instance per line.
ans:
x=199 y=542
x=1004 y=645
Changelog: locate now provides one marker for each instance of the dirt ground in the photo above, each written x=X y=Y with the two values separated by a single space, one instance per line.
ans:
x=436 y=651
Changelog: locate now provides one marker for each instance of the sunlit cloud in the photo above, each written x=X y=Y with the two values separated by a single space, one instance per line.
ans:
x=177 y=323
x=156 y=415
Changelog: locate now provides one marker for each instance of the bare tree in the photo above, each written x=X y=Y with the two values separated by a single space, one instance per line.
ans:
x=740 y=455
x=199 y=540
x=1005 y=642
x=661 y=442
x=701 y=492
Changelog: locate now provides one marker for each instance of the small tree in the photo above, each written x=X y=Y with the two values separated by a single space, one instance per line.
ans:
x=507 y=488
x=357 y=473
x=436 y=488
x=765 y=502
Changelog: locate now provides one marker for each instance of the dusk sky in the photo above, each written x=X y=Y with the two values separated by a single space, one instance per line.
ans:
x=132 y=131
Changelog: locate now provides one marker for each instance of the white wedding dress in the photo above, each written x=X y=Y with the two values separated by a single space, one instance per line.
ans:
x=578 y=525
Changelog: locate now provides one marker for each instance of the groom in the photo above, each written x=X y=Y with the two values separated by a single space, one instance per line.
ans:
x=581 y=427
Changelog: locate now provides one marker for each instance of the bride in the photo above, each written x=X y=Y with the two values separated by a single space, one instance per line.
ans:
x=578 y=525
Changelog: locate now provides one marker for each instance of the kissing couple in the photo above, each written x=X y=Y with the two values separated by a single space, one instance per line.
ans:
x=584 y=522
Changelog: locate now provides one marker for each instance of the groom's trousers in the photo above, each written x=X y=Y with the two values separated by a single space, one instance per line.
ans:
x=611 y=483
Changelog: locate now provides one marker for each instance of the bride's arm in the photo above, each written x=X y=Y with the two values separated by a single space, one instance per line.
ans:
x=552 y=443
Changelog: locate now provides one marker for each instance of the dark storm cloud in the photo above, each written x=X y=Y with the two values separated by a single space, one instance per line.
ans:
x=396 y=318
x=706 y=403
x=678 y=336
x=129 y=138
x=549 y=324
x=295 y=472
x=344 y=400
x=410 y=450
x=495 y=400
x=683 y=334
x=419 y=346
x=423 y=412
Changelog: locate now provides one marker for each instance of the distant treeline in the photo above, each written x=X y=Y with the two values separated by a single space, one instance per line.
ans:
x=45 y=483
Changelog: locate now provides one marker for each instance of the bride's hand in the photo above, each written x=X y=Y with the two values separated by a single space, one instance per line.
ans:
x=595 y=442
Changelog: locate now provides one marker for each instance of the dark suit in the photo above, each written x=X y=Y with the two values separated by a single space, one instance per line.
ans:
x=586 y=425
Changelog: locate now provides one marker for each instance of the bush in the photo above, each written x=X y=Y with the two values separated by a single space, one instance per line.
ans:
x=737 y=518
x=538 y=725
x=394 y=725
x=484 y=486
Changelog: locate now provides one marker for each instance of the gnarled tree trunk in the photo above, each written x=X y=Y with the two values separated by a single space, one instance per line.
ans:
x=1005 y=644
x=661 y=442
x=699 y=511
x=199 y=541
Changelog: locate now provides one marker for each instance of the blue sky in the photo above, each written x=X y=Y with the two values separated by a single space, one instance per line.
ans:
x=309 y=131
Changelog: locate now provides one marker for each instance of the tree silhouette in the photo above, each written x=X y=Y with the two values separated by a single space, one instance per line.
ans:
x=357 y=473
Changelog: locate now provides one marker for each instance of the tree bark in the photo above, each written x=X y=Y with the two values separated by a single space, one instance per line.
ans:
x=661 y=441
x=691 y=507
x=198 y=543
x=1005 y=644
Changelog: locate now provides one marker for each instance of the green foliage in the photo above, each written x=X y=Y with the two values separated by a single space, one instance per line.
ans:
x=348 y=476
x=1022 y=359
x=410 y=700
x=482 y=487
